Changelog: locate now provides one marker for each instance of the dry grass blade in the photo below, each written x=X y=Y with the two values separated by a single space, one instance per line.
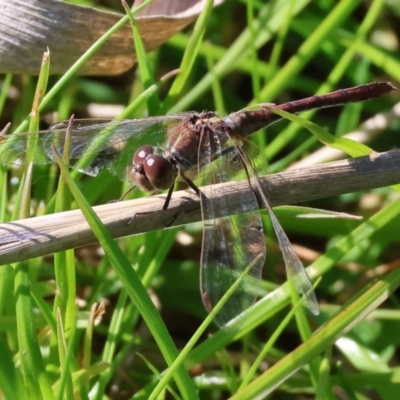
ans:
x=23 y=239
x=27 y=28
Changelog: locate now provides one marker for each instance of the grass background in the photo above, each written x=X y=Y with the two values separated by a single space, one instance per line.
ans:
x=251 y=52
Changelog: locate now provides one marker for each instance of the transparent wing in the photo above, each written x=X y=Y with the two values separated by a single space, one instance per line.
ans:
x=95 y=144
x=256 y=162
x=230 y=242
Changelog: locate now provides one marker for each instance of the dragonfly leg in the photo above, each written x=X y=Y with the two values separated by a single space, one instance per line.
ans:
x=123 y=196
x=168 y=199
x=190 y=183
x=126 y=193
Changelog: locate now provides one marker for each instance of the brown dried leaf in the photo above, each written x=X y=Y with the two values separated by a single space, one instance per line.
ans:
x=28 y=28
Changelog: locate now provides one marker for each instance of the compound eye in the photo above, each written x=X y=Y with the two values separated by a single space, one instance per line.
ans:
x=140 y=179
x=137 y=173
x=159 y=172
x=141 y=154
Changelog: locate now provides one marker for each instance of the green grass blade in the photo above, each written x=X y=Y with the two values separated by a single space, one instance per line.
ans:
x=145 y=95
x=10 y=379
x=271 y=341
x=339 y=70
x=323 y=338
x=308 y=49
x=269 y=21
x=35 y=378
x=153 y=102
x=111 y=344
x=189 y=56
x=134 y=287
x=64 y=262
x=185 y=351
x=346 y=145
x=4 y=91
x=323 y=390
x=275 y=301
x=65 y=389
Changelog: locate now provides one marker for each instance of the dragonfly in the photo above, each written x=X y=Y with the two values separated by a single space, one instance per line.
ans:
x=200 y=149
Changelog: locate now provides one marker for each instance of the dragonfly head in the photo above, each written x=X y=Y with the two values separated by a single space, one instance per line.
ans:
x=151 y=172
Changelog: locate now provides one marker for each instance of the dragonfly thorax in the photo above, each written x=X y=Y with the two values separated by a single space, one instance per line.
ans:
x=151 y=172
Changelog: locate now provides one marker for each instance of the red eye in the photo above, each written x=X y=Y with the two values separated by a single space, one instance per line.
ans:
x=151 y=172
x=140 y=179
x=138 y=173
x=141 y=154
x=159 y=171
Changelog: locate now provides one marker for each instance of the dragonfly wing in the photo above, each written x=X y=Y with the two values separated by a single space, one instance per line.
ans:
x=96 y=145
x=256 y=162
x=230 y=242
